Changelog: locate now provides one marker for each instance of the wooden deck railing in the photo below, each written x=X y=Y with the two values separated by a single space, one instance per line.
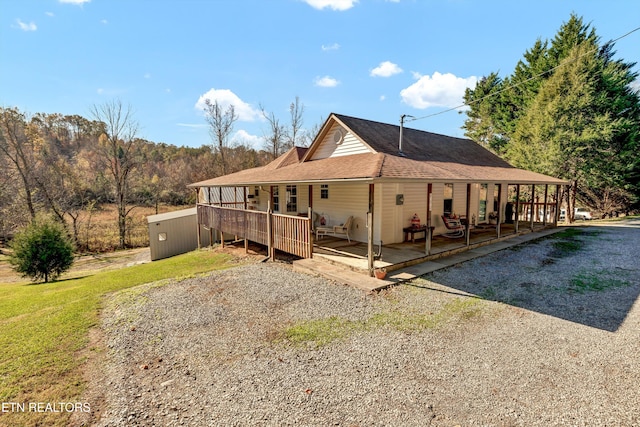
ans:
x=291 y=234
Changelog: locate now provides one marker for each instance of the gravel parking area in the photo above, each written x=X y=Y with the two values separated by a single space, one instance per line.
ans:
x=542 y=334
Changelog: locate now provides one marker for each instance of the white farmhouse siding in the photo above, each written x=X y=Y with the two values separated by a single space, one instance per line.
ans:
x=345 y=200
x=385 y=211
x=396 y=216
x=348 y=145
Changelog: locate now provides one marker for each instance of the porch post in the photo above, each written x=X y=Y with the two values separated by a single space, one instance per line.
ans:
x=244 y=195
x=517 y=226
x=533 y=205
x=310 y=238
x=499 y=211
x=544 y=210
x=270 y=250
x=370 y=260
x=556 y=213
x=198 y=220
x=468 y=226
x=427 y=241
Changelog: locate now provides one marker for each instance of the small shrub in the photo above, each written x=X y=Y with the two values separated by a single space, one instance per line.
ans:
x=42 y=250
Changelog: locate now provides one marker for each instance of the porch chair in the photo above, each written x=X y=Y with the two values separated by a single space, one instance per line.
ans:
x=344 y=228
x=336 y=230
x=454 y=224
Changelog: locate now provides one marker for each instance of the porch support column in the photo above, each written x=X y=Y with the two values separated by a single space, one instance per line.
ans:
x=556 y=213
x=310 y=216
x=533 y=206
x=370 y=257
x=244 y=196
x=270 y=251
x=198 y=220
x=544 y=210
x=517 y=226
x=499 y=218
x=427 y=241
x=468 y=226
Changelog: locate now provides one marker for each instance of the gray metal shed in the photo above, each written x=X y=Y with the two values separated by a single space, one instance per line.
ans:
x=174 y=233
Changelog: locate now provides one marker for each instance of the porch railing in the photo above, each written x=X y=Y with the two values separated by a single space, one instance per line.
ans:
x=290 y=234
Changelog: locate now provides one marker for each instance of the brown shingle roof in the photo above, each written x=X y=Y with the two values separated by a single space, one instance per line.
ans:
x=426 y=156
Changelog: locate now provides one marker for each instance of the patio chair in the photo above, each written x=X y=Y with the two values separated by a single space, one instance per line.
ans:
x=344 y=228
x=336 y=230
x=454 y=225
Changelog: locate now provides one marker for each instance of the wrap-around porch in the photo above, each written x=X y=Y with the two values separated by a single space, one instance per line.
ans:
x=294 y=234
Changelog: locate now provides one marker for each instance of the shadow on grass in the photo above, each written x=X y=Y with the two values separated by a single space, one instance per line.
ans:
x=587 y=275
x=51 y=282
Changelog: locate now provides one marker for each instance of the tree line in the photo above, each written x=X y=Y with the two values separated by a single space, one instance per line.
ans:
x=63 y=165
x=570 y=110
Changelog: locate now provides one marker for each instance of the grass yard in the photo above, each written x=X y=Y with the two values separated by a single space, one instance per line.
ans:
x=45 y=327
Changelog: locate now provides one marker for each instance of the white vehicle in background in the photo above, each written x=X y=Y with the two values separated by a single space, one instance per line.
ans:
x=578 y=214
x=582 y=213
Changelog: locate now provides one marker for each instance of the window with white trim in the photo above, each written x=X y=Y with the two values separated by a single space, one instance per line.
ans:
x=324 y=191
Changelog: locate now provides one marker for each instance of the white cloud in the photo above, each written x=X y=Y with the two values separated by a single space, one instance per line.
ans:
x=244 y=137
x=326 y=81
x=104 y=21
x=382 y=97
x=439 y=90
x=332 y=4
x=635 y=85
x=385 y=69
x=77 y=2
x=31 y=26
x=225 y=97
x=49 y=14
x=147 y=75
x=193 y=125
x=334 y=46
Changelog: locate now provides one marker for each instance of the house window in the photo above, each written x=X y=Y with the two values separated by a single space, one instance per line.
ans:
x=448 y=199
x=276 y=199
x=256 y=191
x=292 y=198
x=324 y=191
x=482 y=208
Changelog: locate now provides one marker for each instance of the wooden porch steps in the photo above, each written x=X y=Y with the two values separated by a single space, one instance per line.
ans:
x=340 y=274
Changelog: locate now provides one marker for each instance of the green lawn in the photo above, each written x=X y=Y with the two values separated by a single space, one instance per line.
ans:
x=43 y=327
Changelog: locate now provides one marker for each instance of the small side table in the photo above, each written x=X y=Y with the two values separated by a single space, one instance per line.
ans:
x=412 y=231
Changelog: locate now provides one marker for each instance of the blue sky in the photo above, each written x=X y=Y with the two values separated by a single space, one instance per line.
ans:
x=374 y=59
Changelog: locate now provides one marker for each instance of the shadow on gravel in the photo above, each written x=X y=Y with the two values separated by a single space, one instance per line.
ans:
x=587 y=275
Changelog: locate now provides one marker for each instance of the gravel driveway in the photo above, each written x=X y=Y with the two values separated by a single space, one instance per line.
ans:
x=543 y=334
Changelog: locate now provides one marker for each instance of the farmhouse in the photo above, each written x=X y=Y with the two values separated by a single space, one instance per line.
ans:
x=377 y=186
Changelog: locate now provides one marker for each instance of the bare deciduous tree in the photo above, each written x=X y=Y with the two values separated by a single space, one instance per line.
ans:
x=220 y=127
x=275 y=139
x=296 y=110
x=119 y=154
x=16 y=147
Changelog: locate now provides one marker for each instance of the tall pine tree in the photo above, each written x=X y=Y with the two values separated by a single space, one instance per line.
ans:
x=567 y=110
